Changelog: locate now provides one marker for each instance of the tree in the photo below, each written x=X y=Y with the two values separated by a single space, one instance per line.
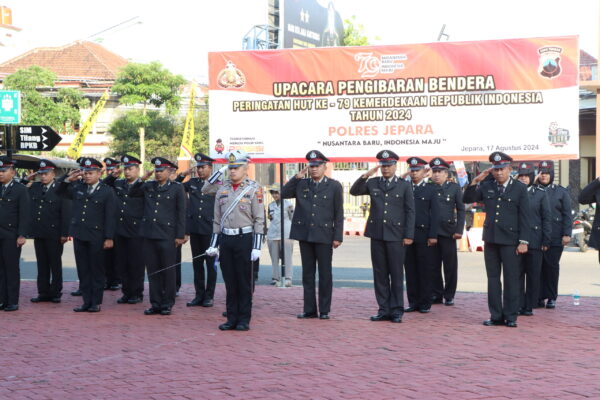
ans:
x=61 y=112
x=150 y=85
x=354 y=33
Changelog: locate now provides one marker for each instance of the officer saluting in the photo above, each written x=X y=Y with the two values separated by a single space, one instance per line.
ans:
x=420 y=257
x=238 y=230
x=163 y=230
x=51 y=218
x=506 y=233
x=318 y=223
x=92 y=227
x=450 y=229
x=15 y=221
x=391 y=228
x=199 y=226
x=128 y=240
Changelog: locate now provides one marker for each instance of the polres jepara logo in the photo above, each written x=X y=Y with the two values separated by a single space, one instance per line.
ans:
x=550 y=61
x=370 y=65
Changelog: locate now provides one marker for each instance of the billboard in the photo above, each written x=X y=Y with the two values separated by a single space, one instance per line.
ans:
x=458 y=100
x=310 y=23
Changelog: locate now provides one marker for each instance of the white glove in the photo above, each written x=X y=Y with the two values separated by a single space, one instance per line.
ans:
x=212 y=251
x=255 y=255
x=217 y=175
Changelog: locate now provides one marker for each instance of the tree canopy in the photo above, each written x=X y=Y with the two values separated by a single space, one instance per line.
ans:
x=354 y=33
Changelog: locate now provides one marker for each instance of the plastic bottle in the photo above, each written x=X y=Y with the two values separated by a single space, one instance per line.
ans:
x=576 y=297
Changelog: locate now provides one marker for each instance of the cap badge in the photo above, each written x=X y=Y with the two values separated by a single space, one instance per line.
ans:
x=544 y=164
x=312 y=155
x=232 y=157
x=42 y=164
x=523 y=165
x=385 y=154
x=413 y=161
x=497 y=157
x=126 y=159
x=88 y=163
x=436 y=162
x=157 y=162
x=1 y=163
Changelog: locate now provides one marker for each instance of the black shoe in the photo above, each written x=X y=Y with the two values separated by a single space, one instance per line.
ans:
x=436 y=300
x=380 y=317
x=324 y=316
x=39 y=299
x=207 y=303
x=242 y=327
x=11 y=307
x=81 y=308
x=396 y=319
x=307 y=315
x=123 y=300
x=527 y=313
x=551 y=304
x=449 y=302
x=94 y=309
x=152 y=311
x=511 y=324
x=224 y=314
x=493 y=322
x=410 y=309
x=135 y=300
x=196 y=302
x=424 y=310
x=55 y=300
x=541 y=304
x=114 y=287
x=76 y=293
x=2 y=306
x=226 y=326
x=165 y=311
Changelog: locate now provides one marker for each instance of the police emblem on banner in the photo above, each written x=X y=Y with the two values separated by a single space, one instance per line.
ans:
x=219 y=147
x=549 y=61
x=231 y=77
x=558 y=137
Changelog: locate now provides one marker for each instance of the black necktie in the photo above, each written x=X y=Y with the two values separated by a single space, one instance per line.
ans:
x=44 y=189
x=500 y=189
x=90 y=189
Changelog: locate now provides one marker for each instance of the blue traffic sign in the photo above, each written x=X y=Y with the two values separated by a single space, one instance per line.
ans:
x=10 y=107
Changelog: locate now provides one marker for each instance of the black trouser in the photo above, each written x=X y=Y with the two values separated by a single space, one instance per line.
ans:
x=10 y=273
x=388 y=276
x=446 y=256
x=48 y=253
x=234 y=253
x=550 y=272
x=178 y=268
x=502 y=259
x=531 y=267
x=130 y=265
x=89 y=257
x=419 y=263
x=159 y=254
x=313 y=254
x=111 y=268
x=205 y=287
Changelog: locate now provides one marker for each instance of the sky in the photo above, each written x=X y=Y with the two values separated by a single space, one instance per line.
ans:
x=180 y=33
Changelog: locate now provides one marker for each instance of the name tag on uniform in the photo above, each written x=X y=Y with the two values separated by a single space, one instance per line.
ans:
x=193 y=187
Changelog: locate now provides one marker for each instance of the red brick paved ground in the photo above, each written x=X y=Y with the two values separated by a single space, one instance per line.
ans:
x=50 y=352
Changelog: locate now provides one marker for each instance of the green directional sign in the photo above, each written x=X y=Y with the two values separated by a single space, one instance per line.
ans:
x=10 y=107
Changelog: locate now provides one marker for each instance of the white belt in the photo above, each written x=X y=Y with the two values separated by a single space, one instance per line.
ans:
x=237 y=231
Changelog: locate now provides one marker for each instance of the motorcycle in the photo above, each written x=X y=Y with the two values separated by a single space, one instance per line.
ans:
x=582 y=228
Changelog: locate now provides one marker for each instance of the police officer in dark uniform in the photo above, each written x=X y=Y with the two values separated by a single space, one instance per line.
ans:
x=450 y=229
x=113 y=279
x=163 y=230
x=539 y=241
x=50 y=231
x=391 y=228
x=199 y=227
x=128 y=240
x=562 y=225
x=15 y=212
x=591 y=194
x=419 y=262
x=506 y=233
x=318 y=223
x=93 y=224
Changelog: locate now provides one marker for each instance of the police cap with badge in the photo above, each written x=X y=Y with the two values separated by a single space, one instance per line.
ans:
x=500 y=159
x=237 y=158
x=6 y=163
x=130 y=161
x=387 y=157
x=439 y=164
x=316 y=158
x=90 y=164
x=203 y=159
x=111 y=163
x=416 y=163
x=525 y=169
x=546 y=167
x=45 y=166
x=161 y=163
